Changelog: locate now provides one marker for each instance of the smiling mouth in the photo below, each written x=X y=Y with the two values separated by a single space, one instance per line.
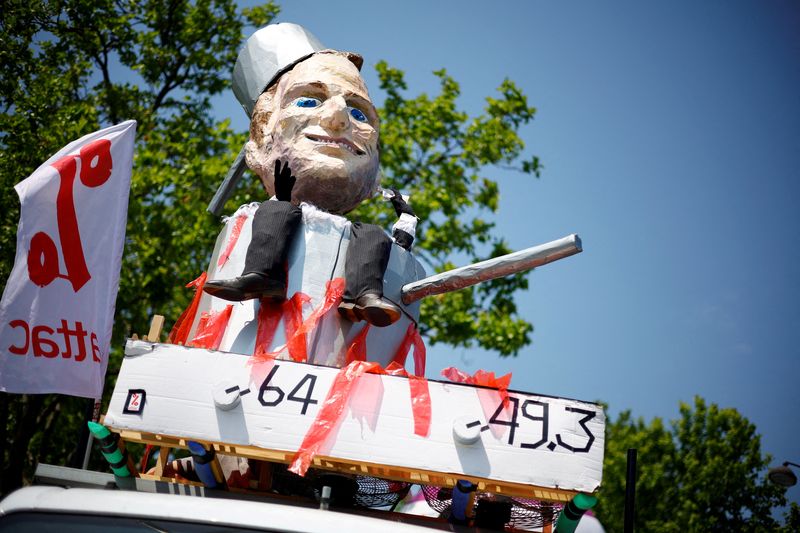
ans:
x=340 y=142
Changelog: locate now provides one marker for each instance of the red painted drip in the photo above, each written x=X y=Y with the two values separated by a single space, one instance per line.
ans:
x=357 y=351
x=232 y=238
x=211 y=329
x=180 y=331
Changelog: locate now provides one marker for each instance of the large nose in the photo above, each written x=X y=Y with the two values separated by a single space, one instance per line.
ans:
x=334 y=114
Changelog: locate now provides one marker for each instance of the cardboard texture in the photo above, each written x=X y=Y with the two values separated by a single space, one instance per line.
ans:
x=317 y=255
x=497 y=267
x=536 y=440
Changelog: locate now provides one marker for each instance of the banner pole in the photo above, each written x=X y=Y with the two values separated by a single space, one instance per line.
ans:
x=86 y=434
x=630 y=491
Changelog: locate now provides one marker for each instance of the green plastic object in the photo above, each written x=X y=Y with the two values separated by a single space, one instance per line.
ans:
x=108 y=446
x=98 y=430
x=573 y=511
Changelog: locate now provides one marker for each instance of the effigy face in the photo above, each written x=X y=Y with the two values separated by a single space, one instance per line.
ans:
x=318 y=118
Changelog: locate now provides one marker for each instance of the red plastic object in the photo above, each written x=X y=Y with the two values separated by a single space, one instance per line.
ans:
x=482 y=378
x=329 y=415
x=234 y=236
x=412 y=337
x=401 y=354
x=180 y=331
x=357 y=351
x=211 y=329
x=269 y=315
x=333 y=295
x=419 y=353
x=420 y=404
x=292 y=320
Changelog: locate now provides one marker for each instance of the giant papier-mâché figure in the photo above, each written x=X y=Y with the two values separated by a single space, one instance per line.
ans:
x=314 y=138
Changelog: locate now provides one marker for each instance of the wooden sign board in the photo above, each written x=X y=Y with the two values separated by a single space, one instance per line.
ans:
x=215 y=397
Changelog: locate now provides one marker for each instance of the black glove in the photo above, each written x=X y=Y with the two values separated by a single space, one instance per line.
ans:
x=284 y=182
x=400 y=205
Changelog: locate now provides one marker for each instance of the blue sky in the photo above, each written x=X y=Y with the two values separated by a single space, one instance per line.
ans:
x=670 y=135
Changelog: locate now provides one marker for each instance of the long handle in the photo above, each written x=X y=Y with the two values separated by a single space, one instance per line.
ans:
x=498 y=267
x=225 y=189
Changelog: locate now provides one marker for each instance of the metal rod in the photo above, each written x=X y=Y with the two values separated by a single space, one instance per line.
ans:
x=498 y=267
x=81 y=449
x=630 y=491
x=95 y=416
x=228 y=185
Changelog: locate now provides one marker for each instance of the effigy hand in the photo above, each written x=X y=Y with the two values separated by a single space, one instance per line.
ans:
x=284 y=181
x=400 y=205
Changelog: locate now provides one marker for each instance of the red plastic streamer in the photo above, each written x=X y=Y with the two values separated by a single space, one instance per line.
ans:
x=211 y=328
x=234 y=236
x=456 y=375
x=269 y=315
x=420 y=404
x=329 y=415
x=395 y=369
x=333 y=295
x=292 y=320
x=419 y=353
x=357 y=351
x=420 y=398
x=412 y=336
x=482 y=378
x=401 y=354
x=180 y=331
x=488 y=379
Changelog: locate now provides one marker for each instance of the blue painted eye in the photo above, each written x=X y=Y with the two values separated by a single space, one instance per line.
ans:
x=307 y=101
x=358 y=114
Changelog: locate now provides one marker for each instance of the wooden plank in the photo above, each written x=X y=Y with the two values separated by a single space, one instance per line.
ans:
x=156 y=326
x=363 y=468
x=219 y=475
x=264 y=475
x=161 y=463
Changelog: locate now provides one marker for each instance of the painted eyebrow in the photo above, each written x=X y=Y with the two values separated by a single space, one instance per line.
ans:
x=314 y=86
x=362 y=102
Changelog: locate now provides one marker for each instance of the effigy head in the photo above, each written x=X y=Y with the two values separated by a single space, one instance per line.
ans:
x=319 y=118
x=309 y=107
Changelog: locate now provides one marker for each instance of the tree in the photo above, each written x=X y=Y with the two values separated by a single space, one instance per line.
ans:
x=437 y=153
x=703 y=473
x=70 y=67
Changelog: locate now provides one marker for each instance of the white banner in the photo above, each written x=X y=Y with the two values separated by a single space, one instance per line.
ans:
x=58 y=305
